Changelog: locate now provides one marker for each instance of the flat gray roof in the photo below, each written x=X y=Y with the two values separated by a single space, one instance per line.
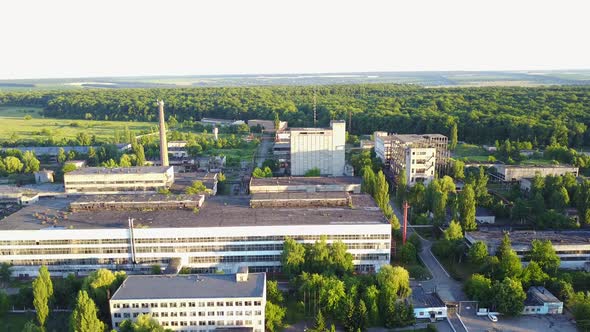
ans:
x=306 y=181
x=217 y=211
x=120 y=170
x=524 y=238
x=190 y=286
x=422 y=299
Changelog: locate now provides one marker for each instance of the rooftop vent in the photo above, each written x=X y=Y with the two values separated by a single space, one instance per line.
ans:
x=242 y=274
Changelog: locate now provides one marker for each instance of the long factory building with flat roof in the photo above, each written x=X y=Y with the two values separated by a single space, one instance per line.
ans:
x=221 y=233
x=572 y=247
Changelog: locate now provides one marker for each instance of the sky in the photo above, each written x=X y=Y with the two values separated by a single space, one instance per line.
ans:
x=90 y=38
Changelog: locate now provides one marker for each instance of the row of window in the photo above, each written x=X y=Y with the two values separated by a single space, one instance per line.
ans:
x=191 y=314
x=187 y=304
x=204 y=323
x=277 y=238
x=136 y=182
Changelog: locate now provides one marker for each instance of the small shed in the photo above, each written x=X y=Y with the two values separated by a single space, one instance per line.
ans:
x=44 y=176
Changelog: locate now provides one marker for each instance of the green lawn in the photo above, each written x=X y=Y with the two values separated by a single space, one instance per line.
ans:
x=56 y=322
x=470 y=152
x=39 y=128
x=459 y=271
x=536 y=162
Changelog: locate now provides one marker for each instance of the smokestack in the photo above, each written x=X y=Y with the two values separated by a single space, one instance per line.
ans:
x=163 y=141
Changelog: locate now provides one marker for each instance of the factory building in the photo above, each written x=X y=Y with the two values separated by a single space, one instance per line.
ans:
x=321 y=148
x=572 y=247
x=223 y=234
x=518 y=172
x=92 y=180
x=305 y=184
x=193 y=302
x=422 y=157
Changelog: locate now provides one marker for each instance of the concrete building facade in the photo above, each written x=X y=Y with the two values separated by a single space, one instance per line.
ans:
x=427 y=305
x=91 y=180
x=225 y=234
x=540 y=301
x=420 y=165
x=518 y=172
x=196 y=303
x=305 y=184
x=322 y=148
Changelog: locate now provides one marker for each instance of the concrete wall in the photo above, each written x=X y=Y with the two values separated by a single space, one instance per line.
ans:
x=323 y=149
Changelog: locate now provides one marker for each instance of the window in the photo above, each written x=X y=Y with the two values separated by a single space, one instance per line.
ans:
x=164 y=305
x=230 y=322
x=248 y=303
x=135 y=314
x=116 y=305
x=117 y=315
x=211 y=322
x=257 y=303
x=211 y=313
x=239 y=303
x=174 y=323
x=145 y=305
x=248 y=313
x=174 y=314
x=155 y=314
x=201 y=314
x=135 y=305
x=220 y=323
x=193 y=313
x=126 y=315
x=258 y=312
x=164 y=314
x=210 y=304
x=183 y=323
x=153 y=305
x=238 y=313
x=126 y=305
x=192 y=304
x=183 y=304
x=201 y=304
x=202 y=323
x=220 y=313
x=173 y=305
x=183 y=314
x=220 y=303
x=229 y=304
x=230 y=313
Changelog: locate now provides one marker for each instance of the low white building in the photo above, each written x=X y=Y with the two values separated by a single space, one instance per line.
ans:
x=44 y=176
x=427 y=305
x=91 y=180
x=306 y=184
x=484 y=216
x=193 y=302
x=540 y=301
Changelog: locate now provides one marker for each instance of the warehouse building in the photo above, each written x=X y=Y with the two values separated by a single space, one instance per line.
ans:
x=306 y=184
x=423 y=157
x=518 y=172
x=92 y=180
x=321 y=148
x=193 y=302
x=539 y=301
x=224 y=234
x=572 y=247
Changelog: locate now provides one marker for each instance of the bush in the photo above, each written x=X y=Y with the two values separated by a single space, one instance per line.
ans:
x=418 y=272
x=313 y=172
x=27 y=117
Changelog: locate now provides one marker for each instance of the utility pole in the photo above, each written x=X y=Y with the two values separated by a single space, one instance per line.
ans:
x=406 y=206
x=315 y=111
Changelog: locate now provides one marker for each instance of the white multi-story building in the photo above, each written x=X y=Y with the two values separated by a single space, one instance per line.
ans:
x=420 y=165
x=321 y=148
x=225 y=233
x=91 y=180
x=196 y=303
x=572 y=247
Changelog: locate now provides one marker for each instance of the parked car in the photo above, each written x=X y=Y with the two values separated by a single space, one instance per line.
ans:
x=493 y=318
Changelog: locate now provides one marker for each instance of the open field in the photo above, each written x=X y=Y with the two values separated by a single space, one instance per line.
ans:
x=38 y=128
x=470 y=152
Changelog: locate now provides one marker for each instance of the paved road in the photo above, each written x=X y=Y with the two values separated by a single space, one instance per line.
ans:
x=264 y=148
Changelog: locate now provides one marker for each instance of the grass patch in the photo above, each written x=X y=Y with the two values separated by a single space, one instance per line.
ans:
x=536 y=162
x=470 y=152
x=458 y=271
x=40 y=128
x=56 y=322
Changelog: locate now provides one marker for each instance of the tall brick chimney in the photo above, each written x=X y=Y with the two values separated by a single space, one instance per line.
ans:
x=163 y=141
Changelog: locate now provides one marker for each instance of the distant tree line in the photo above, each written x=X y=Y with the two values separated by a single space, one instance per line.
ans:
x=542 y=115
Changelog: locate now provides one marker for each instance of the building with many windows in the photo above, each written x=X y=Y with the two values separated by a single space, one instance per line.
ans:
x=223 y=234
x=572 y=247
x=422 y=157
x=92 y=180
x=193 y=302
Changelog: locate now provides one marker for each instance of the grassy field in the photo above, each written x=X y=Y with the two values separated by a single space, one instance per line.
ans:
x=470 y=152
x=56 y=322
x=14 y=122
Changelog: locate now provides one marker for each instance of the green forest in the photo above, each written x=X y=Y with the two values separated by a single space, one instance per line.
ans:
x=540 y=115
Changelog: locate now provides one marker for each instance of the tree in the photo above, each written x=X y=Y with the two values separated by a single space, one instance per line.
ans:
x=4 y=303
x=341 y=259
x=31 y=164
x=125 y=160
x=368 y=183
x=544 y=254
x=362 y=316
x=458 y=170
x=31 y=327
x=61 y=156
x=12 y=164
x=273 y=293
x=509 y=297
x=318 y=256
x=453 y=232
x=560 y=199
x=143 y=323
x=5 y=272
x=478 y=288
x=408 y=254
x=382 y=194
x=68 y=168
x=40 y=300
x=439 y=206
x=395 y=280
x=84 y=317
x=320 y=322
x=467 y=208
x=453 y=137
x=266 y=172
x=533 y=275
x=139 y=154
x=46 y=279
x=196 y=188
x=478 y=253
x=292 y=257
x=509 y=262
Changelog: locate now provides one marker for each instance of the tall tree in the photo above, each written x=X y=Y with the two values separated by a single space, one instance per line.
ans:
x=394 y=279
x=341 y=259
x=382 y=193
x=84 y=317
x=453 y=137
x=509 y=296
x=61 y=155
x=40 y=300
x=478 y=253
x=368 y=183
x=544 y=254
x=292 y=257
x=31 y=163
x=453 y=232
x=467 y=208
x=401 y=187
